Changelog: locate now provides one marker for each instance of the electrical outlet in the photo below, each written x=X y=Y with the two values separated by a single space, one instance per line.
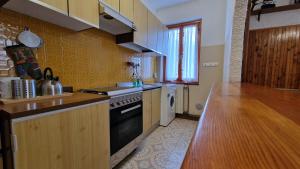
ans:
x=210 y=64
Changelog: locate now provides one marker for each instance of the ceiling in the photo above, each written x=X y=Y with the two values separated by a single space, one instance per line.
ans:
x=156 y=5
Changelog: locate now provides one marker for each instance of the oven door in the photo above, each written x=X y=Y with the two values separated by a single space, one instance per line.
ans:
x=126 y=123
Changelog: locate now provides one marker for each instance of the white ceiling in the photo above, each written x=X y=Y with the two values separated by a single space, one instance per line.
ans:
x=156 y=5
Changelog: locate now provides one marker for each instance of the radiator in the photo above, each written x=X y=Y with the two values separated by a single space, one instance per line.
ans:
x=182 y=99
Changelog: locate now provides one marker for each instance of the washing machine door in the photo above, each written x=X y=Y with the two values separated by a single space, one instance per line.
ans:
x=172 y=102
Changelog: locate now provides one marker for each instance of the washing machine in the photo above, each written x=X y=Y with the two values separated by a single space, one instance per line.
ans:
x=168 y=100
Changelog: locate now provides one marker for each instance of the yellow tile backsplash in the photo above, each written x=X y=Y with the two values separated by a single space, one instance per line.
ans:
x=83 y=59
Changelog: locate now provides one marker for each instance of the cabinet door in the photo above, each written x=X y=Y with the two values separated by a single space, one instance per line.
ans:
x=165 y=41
x=56 y=5
x=114 y=4
x=141 y=22
x=147 y=110
x=126 y=8
x=152 y=31
x=160 y=37
x=73 y=139
x=156 y=101
x=85 y=11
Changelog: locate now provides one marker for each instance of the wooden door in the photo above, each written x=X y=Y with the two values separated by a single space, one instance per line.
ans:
x=141 y=22
x=73 y=139
x=114 y=4
x=156 y=103
x=85 y=11
x=126 y=8
x=1 y=163
x=56 y=5
x=152 y=31
x=147 y=110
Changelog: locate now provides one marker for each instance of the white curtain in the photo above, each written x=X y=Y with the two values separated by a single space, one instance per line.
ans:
x=190 y=53
x=173 y=55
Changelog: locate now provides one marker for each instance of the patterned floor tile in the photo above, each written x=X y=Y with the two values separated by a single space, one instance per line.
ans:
x=165 y=148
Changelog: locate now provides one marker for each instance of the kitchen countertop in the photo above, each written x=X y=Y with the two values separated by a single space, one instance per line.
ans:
x=246 y=126
x=151 y=86
x=23 y=109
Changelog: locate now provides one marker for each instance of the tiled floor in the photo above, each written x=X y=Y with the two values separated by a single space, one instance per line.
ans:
x=165 y=148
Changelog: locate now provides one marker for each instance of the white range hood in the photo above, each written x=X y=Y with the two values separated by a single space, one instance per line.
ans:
x=112 y=22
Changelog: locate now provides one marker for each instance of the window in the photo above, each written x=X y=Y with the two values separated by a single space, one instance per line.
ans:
x=182 y=62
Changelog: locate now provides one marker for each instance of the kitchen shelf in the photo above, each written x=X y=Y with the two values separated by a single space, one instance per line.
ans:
x=276 y=9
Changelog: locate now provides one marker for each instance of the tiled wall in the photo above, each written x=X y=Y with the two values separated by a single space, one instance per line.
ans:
x=82 y=59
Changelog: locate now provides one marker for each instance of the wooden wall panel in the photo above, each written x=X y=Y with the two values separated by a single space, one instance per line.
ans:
x=273 y=57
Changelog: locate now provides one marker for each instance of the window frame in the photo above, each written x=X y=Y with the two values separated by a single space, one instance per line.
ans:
x=179 y=80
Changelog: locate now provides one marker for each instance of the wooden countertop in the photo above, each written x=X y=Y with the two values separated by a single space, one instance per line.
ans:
x=245 y=126
x=36 y=107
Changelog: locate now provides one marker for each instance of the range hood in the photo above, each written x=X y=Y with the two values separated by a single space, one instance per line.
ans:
x=112 y=22
x=127 y=40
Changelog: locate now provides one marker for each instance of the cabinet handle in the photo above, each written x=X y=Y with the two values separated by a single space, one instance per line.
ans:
x=14 y=143
x=130 y=109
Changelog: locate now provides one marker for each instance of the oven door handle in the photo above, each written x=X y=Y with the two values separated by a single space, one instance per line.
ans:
x=130 y=109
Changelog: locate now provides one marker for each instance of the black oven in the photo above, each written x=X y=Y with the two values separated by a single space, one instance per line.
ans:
x=126 y=120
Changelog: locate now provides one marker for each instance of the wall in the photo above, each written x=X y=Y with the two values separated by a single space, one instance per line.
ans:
x=276 y=19
x=230 y=5
x=82 y=59
x=211 y=12
x=212 y=44
x=208 y=76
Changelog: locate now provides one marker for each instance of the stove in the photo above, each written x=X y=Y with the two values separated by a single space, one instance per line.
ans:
x=126 y=120
x=113 y=91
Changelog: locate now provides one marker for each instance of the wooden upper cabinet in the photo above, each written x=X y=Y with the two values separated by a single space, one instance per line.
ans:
x=126 y=8
x=114 y=4
x=160 y=37
x=85 y=11
x=56 y=5
x=140 y=20
x=156 y=101
x=152 y=31
x=71 y=139
x=165 y=41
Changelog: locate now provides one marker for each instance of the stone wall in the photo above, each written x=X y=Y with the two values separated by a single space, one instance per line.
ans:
x=239 y=19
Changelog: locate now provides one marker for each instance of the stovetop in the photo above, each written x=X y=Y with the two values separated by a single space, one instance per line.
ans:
x=113 y=91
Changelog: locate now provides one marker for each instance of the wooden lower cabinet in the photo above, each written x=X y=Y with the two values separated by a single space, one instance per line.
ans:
x=147 y=110
x=73 y=139
x=156 y=102
x=151 y=108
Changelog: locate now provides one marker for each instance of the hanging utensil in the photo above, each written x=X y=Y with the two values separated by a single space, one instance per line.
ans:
x=29 y=39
